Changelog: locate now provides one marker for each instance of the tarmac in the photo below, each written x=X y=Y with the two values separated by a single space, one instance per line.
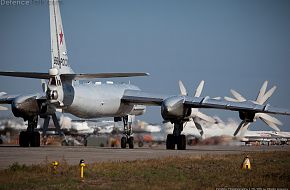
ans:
x=72 y=155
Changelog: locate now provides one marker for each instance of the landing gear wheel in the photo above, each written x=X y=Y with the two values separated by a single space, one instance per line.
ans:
x=24 y=139
x=27 y=138
x=35 y=139
x=123 y=142
x=181 y=142
x=140 y=144
x=170 y=142
x=131 y=142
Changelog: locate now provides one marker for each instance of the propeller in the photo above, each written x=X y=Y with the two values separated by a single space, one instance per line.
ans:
x=262 y=97
x=2 y=108
x=195 y=113
x=199 y=89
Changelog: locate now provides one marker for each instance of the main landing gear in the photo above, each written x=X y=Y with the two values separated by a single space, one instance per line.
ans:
x=176 y=138
x=127 y=138
x=30 y=137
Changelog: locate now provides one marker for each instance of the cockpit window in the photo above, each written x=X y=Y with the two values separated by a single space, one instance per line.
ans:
x=55 y=81
x=52 y=81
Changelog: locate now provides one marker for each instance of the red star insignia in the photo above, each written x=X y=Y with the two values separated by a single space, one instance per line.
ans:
x=60 y=37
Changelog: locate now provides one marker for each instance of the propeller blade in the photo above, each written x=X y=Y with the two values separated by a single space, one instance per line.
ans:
x=244 y=130
x=270 y=124
x=230 y=99
x=182 y=88
x=2 y=93
x=262 y=92
x=194 y=111
x=268 y=95
x=269 y=118
x=2 y=108
x=238 y=96
x=199 y=89
x=199 y=128
x=205 y=117
x=240 y=126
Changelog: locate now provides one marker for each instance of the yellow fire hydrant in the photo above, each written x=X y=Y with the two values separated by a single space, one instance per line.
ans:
x=54 y=166
x=246 y=163
x=82 y=165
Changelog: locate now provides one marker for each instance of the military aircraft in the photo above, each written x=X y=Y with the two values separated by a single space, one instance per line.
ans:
x=65 y=92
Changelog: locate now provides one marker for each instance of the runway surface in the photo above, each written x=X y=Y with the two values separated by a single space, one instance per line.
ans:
x=72 y=155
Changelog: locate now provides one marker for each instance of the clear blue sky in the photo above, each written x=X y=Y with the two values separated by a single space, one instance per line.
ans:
x=229 y=44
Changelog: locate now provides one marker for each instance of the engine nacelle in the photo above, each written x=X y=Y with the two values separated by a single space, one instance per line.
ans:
x=25 y=106
x=138 y=110
x=173 y=109
x=28 y=106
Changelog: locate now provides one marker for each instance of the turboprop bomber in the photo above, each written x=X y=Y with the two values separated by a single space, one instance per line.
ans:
x=65 y=92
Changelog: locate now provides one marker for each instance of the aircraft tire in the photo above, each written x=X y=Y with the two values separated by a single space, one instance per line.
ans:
x=181 y=142
x=35 y=139
x=123 y=142
x=131 y=142
x=140 y=144
x=24 y=139
x=170 y=142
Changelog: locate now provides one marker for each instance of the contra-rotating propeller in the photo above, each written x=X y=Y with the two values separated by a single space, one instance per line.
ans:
x=2 y=108
x=262 y=97
x=195 y=113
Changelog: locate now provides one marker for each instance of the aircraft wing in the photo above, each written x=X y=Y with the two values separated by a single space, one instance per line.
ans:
x=247 y=106
x=8 y=99
x=101 y=75
x=25 y=74
x=139 y=97
x=71 y=76
x=144 y=98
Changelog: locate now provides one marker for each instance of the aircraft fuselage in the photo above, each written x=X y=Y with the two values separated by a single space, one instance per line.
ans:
x=96 y=100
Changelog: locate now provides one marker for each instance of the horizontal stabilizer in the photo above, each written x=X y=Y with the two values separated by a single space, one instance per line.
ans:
x=25 y=74
x=101 y=75
x=70 y=76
